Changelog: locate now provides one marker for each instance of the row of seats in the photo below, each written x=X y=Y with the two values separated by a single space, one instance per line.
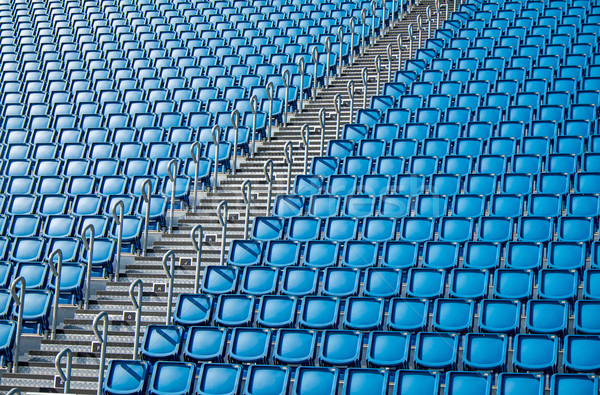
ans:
x=409 y=314
x=433 y=350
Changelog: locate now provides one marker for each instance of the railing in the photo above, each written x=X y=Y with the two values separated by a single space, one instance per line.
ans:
x=327 y=61
x=337 y=105
x=301 y=69
x=365 y=80
x=350 y=88
x=137 y=305
x=390 y=57
x=222 y=217
x=340 y=37
x=18 y=300
x=64 y=376
x=216 y=135
x=235 y=120
x=254 y=108
x=89 y=247
x=315 y=79
x=270 y=96
x=195 y=154
x=170 y=273
x=102 y=339
x=118 y=218
x=247 y=197
x=147 y=197
x=286 y=84
x=197 y=244
x=400 y=46
x=57 y=271
x=172 y=175
x=270 y=178
x=378 y=71
x=305 y=135
x=288 y=156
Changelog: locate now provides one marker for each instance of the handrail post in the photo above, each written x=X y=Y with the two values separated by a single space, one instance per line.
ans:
x=337 y=104
x=286 y=84
x=322 y=124
x=147 y=197
x=363 y=21
x=389 y=66
x=420 y=27
x=399 y=39
x=393 y=14
x=18 y=300
x=351 y=47
x=301 y=70
x=235 y=120
x=270 y=94
x=89 y=247
x=305 y=134
x=410 y=39
x=246 y=196
x=437 y=14
x=170 y=273
x=373 y=9
x=327 y=61
x=216 y=131
x=288 y=150
x=254 y=108
x=195 y=154
x=378 y=71
x=137 y=305
x=197 y=244
x=269 y=176
x=66 y=378
x=315 y=57
x=57 y=271
x=222 y=216
x=102 y=339
x=350 y=87
x=365 y=80
x=429 y=18
x=118 y=218
x=172 y=175
x=340 y=36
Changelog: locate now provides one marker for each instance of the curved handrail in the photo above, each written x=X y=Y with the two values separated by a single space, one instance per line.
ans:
x=172 y=175
x=118 y=219
x=195 y=154
x=89 y=247
x=170 y=273
x=305 y=134
x=103 y=340
x=270 y=95
x=390 y=57
x=410 y=39
x=322 y=125
x=137 y=305
x=66 y=378
x=365 y=80
x=197 y=245
x=428 y=12
x=270 y=177
x=254 y=108
x=301 y=70
x=246 y=189
x=420 y=28
x=350 y=88
x=146 y=196
x=373 y=9
x=340 y=37
x=400 y=46
x=18 y=300
x=315 y=56
x=327 y=61
x=288 y=150
x=235 y=120
x=216 y=136
x=363 y=21
x=14 y=391
x=286 y=83
x=222 y=217
x=57 y=271
x=351 y=46
x=378 y=71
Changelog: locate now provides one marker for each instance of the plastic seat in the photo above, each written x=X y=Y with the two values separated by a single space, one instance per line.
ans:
x=499 y=316
x=276 y=311
x=495 y=229
x=244 y=253
x=517 y=184
x=382 y=282
x=543 y=205
x=566 y=255
x=340 y=228
x=234 y=310
x=547 y=316
x=363 y=313
x=221 y=378
x=266 y=379
x=319 y=312
x=431 y=206
x=161 y=342
x=480 y=184
x=303 y=228
x=281 y=253
x=388 y=349
x=416 y=382
x=575 y=229
x=205 y=344
x=358 y=206
x=581 y=353
x=365 y=381
x=341 y=282
x=483 y=351
x=468 y=206
x=562 y=384
x=286 y=206
x=558 y=284
x=535 y=352
x=259 y=280
x=440 y=255
x=399 y=254
x=125 y=376
x=407 y=314
x=513 y=284
x=425 y=283
x=535 y=229
x=249 y=345
x=295 y=346
x=416 y=229
x=436 y=350
x=340 y=347
x=585 y=205
x=520 y=384
x=455 y=229
x=172 y=378
x=315 y=380
x=482 y=255
x=321 y=253
x=453 y=315
x=323 y=206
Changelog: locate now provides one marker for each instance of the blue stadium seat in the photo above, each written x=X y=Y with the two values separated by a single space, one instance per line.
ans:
x=564 y=383
x=453 y=315
x=406 y=314
x=535 y=352
x=340 y=348
x=313 y=380
x=234 y=310
x=388 y=349
x=499 y=316
x=513 y=283
x=484 y=351
x=299 y=281
x=295 y=346
x=161 y=342
x=580 y=353
x=249 y=345
x=340 y=282
x=520 y=383
x=413 y=382
x=171 y=377
x=365 y=381
x=464 y=382
x=224 y=378
x=125 y=376
x=205 y=344
x=585 y=317
x=436 y=350
x=267 y=379
x=363 y=313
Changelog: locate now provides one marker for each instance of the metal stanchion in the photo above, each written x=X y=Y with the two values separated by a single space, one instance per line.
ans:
x=235 y=120
x=363 y=19
x=254 y=108
x=65 y=377
x=172 y=176
x=305 y=133
x=270 y=96
x=269 y=177
x=289 y=159
x=147 y=197
x=197 y=244
x=89 y=247
x=18 y=300
x=315 y=56
x=337 y=104
x=118 y=219
x=378 y=71
x=170 y=273
x=328 y=60
x=365 y=80
x=399 y=39
x=222 y=217
x=137 y=305
x=350 y=87
x=102 y=338
x=195 y=155
x=57 y=271
x=286 y=84
x=340 y=37
x=215 y=133
x=247 y=197
x=301 y=70
x=389 y=66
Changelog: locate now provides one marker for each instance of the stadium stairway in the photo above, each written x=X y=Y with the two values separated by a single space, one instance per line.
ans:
x=37 y=372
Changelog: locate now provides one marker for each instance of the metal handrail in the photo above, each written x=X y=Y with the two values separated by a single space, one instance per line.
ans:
x=137 y=305
x=400 y=46
x=305 y=135
x=270 y=178
x=378 y=71
x=429 y=19
x=254 y=108
x=197 y=245
x=410 y=39
x=195 y=154
x=365 y=80
x=301 y=70
x=315 y=56
x=363 y=20
x=286 y=84
x=172 y=175
x=270 y=95
x=337 y=104
x=147 y=197
x=170 y=273
x=340 y=37
x=389 y=66
x=393 y=22
x=222 y=217
x=373 y=9
x=351 y=46
x=215 y=134
x=322 y=125
x=246 y=196
x=57 y=271
x=288 y=150
x=103 y=340
x=350 y=88
x=235 y=120
x=327 y=61
x=420 y=27
x=118 y=219
x=14 y=391
x=65 y=377
x=18 y=300
x=89 y=247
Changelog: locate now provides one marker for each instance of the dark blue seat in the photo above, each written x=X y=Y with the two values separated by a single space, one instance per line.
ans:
x=564 y=383
x=363 y=313
x=425 y=283
x=193 y=309
x=462 y=383
x=259 y=280
x=299 y=281
x=469 y=283
x=244 y=253
x=499 y=316
x=340 y=282
x=407 y=314
x=219 y=280
x=234 y=310
x=520 y=384
x=416 y=382
x=558 y=284
x=363 y=381
x=586 y=317
x=382 y=282
x=319 y=312
x=453 y=315
x=513 y=283
x=388 y=349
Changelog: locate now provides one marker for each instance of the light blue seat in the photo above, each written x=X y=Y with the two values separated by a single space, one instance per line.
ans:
x=267 y=379
x=218 y=378
x=204 y=344
x=483 y=351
